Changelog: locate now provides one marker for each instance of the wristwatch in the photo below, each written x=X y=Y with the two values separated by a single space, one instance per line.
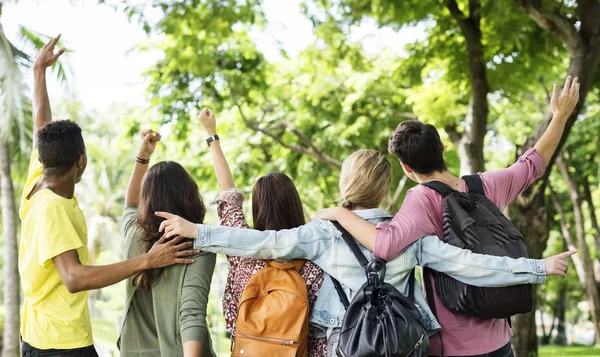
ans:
x=210 y=139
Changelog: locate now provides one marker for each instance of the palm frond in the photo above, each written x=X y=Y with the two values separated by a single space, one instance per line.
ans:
x=35 y=40
x=13 y=91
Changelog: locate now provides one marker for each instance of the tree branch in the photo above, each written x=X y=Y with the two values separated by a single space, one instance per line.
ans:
x=310 y=149
x=555 y=23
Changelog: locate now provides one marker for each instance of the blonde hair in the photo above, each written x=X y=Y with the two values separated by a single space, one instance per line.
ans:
x=365 y=179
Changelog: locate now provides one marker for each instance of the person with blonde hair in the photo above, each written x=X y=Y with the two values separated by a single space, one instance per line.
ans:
x=365 y=181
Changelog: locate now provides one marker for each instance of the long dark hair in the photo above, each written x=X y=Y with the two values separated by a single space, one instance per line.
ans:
x=169 y=188
x=276 y=203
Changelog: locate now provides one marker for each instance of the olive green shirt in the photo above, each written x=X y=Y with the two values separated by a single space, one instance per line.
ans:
x=159 y=321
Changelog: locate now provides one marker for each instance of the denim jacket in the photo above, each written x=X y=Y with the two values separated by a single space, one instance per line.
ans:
x=320 y=242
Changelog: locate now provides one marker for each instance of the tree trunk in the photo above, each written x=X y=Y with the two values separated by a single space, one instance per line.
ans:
x=561 y=308
x=583 y=45
x=568 y=238
x=470 y=143
x=591 y=288
x=11 y=269
x=531 y=219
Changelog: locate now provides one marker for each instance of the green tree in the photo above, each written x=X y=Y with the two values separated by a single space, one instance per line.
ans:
x=480 y=74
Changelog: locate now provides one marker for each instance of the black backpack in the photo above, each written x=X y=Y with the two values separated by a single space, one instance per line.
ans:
x=473 y=222
x=380 y=321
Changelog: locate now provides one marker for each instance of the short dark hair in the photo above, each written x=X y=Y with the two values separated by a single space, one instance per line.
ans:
x=419 y=146
x=60 y=144
x=276 y=203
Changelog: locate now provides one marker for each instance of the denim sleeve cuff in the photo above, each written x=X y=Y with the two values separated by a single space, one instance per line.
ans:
x=202 y=234
x=538 y=268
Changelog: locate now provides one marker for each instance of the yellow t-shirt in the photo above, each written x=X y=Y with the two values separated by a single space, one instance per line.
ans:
x=51 y=225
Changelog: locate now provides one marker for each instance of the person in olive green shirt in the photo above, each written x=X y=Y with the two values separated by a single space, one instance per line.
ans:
x=165 y=311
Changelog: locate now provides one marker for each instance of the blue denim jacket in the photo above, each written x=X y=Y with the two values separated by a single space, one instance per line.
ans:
x=322 y=243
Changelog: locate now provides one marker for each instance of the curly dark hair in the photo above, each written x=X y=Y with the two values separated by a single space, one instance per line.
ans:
x=167 y=187
x=60 y=144
x=419 y=146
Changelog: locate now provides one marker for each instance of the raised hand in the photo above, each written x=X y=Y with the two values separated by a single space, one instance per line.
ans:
x=176 y=226
x=175 y=251
x=46 y=57
x=557 y=265
x=563 y=105
x=209 y=121
x=148 y=144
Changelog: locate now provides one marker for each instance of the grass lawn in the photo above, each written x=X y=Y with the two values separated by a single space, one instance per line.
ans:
x=558 y=351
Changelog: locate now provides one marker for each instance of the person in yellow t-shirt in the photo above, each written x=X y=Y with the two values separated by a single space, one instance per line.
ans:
x=53 y=253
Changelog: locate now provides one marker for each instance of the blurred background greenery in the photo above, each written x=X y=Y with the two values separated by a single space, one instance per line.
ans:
x=297 y=86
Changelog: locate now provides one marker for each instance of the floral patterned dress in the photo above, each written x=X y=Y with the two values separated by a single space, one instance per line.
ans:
x=231 y=214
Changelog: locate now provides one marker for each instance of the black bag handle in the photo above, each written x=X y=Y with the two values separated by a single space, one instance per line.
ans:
x=474 y=184
x=439 y=187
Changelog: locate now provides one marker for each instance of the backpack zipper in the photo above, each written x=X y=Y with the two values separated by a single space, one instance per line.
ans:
x=417 y=345
x=272 y=340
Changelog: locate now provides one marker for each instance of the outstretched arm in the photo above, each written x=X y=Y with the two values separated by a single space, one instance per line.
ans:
x=487 y=270
x=562 y=106
x=360 y=229
x=209 y=122
x=46 y=58
x=308 y=241
x=78 y=277
x=147 y=147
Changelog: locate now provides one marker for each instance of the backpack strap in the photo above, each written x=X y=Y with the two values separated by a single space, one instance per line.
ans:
x=411 y=286
x=353 y=245
x=340 y=291
x=474 y=184
x=439 y=187
x=428 y=276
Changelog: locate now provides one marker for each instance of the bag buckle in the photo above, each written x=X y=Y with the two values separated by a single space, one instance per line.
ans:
x=375 y=272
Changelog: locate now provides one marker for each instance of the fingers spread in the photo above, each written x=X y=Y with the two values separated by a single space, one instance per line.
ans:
x=162 y=239
x=567 y=84
x=176 y=241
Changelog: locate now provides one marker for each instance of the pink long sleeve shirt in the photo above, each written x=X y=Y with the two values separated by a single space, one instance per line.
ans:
x=421 y=215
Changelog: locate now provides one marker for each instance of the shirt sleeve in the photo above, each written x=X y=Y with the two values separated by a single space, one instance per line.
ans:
x=413 y=221
x=130 y=216
x=194 y=298
x=34 y=175
x=478 y=269
x=504 y=185
x=230 y=208
x=55 y=234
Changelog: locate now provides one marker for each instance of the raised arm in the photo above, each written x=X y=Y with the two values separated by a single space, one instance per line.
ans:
x=46 y=58
x=209 y=122
x=142 y=160
x=562 y=106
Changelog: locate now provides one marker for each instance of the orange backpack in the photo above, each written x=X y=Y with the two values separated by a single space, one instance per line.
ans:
x=272 y=317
